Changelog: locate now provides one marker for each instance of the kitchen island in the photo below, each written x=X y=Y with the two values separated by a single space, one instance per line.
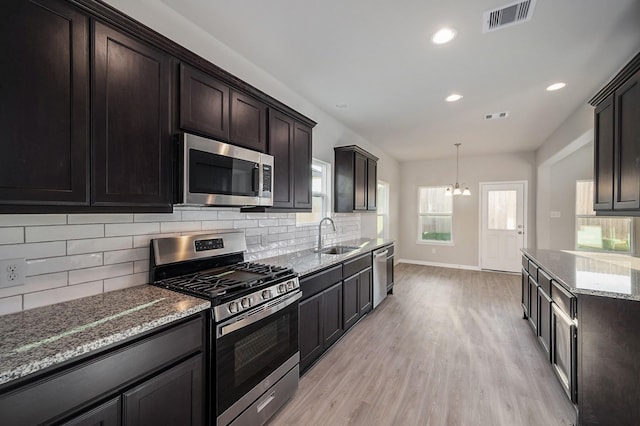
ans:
x=606 y=317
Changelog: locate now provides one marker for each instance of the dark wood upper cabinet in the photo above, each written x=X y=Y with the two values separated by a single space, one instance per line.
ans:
x=131 y=156
x=290 y=144
x=302 y=195
x=281 y=147
x=355 y=180
x=44 y=93
x=617 y=144
x=627 y=143
x=603 y=149
x=204 y=104
x=248 y=122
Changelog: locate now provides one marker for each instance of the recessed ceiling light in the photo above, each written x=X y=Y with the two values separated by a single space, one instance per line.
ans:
x=444 y=35
x=453 y=97
x=555 y=86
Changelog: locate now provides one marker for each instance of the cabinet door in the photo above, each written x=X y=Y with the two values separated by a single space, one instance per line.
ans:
x=525 y=293
x=131 y=158
x=627 y=153
x=603 y=151
x=108 y=414
x=44 y=96
x=372 y=184
x=175 y=397
x=365 y=292
x=302 y=167
x=281 y=147
x=563 y=350
x=332 y=314
x=533 y=305
x=204 y=104
x=310 y=318
x=248 y=122
x=544 y=321
x=360 y=182
x=350 y=300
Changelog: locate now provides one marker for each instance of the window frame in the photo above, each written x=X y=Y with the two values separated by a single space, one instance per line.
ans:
x=594 y=216
x=419 y=239
x=383 y=209
x=324 y=193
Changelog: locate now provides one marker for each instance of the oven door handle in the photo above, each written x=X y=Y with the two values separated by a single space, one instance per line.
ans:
x=238 y=323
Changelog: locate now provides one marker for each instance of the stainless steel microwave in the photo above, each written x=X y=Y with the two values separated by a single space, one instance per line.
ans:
x=213 y=173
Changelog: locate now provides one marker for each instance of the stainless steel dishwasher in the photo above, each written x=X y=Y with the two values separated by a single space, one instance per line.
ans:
x=380 y=258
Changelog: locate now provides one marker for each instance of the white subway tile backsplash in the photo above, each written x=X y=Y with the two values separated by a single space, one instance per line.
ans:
x=158 y=217
x=61 y=294
x=180 y=226
x=123 y=229
x=100 y=273
x=100 y=218
x=9 y=305
x=125 y=281
x=36 y=234
x=95 y=245
x=63 y=263
x=37 y=283
x=33 y=250
x=11 y=235
x=75 y=255
x=32 y=219
x=130 y=255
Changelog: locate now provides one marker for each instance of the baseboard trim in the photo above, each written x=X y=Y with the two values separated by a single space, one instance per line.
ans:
x=441 y=265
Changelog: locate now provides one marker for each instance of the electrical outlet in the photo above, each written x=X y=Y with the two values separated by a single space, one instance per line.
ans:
x=12 y=272
x=433 y=251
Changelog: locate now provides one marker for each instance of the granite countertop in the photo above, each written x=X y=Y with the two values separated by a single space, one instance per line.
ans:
x=35 y=339
x=308 y=261
x=597 y=274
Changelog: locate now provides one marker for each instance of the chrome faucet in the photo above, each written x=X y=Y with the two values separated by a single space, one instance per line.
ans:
x=320 y=231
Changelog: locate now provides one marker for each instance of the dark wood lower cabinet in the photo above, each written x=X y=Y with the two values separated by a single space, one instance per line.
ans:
x=332 y=314
x=365 y=292
x=525 y=293
x=544 y=321
x=174 y=397
x=107 y=414
x=351 y=301
x=533 y=304
x=310 y=319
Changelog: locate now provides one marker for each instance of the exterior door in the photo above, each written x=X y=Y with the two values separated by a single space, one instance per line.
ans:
x=502 y=230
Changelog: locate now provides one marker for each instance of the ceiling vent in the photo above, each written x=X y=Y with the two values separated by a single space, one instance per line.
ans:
x=496 y=115
x=507 y=15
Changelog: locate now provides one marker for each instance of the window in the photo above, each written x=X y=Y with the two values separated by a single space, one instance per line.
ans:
x=320 y=175
x=435 y=215
x=596 y=232
x=383 y=209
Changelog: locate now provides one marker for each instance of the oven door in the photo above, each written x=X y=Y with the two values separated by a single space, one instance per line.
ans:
x=249 y=348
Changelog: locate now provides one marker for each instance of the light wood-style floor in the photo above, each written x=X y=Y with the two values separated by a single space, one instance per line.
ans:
x=450 y=347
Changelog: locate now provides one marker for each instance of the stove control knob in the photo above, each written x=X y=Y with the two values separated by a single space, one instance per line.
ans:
x=246 y=302
x=266 y=294
x=282 y=288
x=289 y=285
x=233 y=307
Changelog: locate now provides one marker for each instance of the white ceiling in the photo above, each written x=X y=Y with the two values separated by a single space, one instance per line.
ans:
x=375 y=56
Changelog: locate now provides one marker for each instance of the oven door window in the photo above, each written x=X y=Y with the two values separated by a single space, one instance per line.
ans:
x=247 y=356
x=216 y=174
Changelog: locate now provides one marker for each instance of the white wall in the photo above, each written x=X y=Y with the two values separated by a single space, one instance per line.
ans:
x=466 y=210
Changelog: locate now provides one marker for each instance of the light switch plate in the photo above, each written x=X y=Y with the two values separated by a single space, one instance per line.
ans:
x=555 y=214
x=12 y=272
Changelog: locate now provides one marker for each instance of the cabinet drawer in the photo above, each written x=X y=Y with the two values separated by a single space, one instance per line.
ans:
x=565 y=300
x=544 y=281
x=533 y=270
x=525 y=263
x=61 y=394
x=315 y=283
x=356 y=265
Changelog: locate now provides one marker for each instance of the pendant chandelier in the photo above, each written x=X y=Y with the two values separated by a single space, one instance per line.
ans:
x=457 y=189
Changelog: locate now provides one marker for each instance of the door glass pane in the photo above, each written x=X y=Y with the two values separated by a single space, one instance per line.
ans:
x=502 y=209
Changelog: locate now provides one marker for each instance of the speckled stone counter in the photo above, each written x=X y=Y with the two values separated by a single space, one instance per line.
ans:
x=308 y=261
x=39 y=338
x=597 y=274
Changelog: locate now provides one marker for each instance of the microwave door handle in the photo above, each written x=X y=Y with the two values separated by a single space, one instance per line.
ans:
x=255 y=175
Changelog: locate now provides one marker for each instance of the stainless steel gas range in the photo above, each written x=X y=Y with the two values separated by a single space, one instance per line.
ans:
x=254 y=321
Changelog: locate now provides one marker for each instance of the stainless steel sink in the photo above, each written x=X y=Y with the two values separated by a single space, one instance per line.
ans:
x=338 y=249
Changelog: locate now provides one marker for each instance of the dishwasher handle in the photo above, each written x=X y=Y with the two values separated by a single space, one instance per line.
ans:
x=379 y=255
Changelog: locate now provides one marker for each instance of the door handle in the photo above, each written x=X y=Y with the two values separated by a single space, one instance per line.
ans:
x=520 y=232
